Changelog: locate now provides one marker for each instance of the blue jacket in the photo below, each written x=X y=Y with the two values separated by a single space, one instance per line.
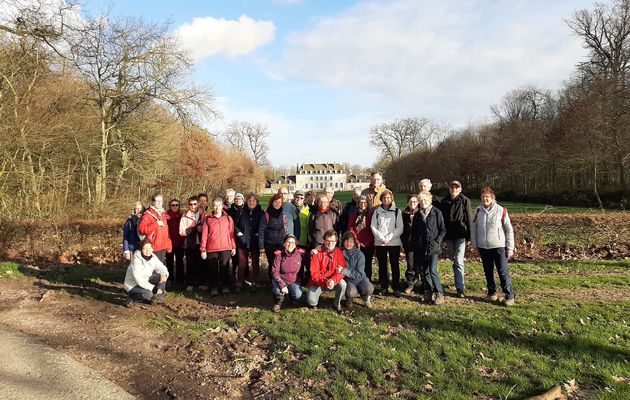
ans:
x=131 y=240
x=355 y=266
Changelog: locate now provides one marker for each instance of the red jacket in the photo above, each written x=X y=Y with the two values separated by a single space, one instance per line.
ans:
x=150 y=227
x=217 y=233
x=173 y=229
x=324 y=266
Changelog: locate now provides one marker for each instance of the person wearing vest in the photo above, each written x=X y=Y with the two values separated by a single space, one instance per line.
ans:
x=411 y=274
x=360 y=224
x=387 y=227
x=246 y=226
x=217 y=246
x=154 y=225
x=374 y=191
x=493 y=237
x=327 y=262
x=457 y=214
x=272 y=230
x=287 y=264
x=190 y=227
x=175 y=257
x=427 y=233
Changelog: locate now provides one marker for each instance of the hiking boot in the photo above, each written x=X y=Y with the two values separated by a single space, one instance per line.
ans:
x=492 y=297
x=214 y=291
x=460 y=294
x=130 y=303
x=408 y=289
x=189 y=288
x=349 y=303
x=337 y=307
x=508 y=302
x=428 y=296
x=277 y=303
x=396 y=293
x=253 y=288
x=439 y=299
x=367 y=300
x=159 y=298
x=225 y=290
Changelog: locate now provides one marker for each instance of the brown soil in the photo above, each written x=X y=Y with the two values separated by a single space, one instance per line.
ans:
x=116 y=341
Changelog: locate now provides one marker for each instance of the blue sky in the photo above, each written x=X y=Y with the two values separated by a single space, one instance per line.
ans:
x=319 y=74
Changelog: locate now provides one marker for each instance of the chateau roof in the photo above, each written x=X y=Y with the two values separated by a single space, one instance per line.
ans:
x=320 y=167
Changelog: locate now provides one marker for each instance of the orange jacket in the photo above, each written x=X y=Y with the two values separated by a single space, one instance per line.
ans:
x=324 y=266
x=150 y=227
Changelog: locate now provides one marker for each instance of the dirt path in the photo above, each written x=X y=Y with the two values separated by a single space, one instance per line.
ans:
x=117 y=342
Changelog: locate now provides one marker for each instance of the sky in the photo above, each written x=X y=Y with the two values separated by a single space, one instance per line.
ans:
x=321 y=73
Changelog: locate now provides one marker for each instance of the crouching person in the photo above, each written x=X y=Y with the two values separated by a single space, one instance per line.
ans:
x=327 y=262
x=357 y=283
x=146 y=276
x=287 y=264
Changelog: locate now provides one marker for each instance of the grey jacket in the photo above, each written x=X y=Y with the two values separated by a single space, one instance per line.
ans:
x=488 y=231
x=387 y=224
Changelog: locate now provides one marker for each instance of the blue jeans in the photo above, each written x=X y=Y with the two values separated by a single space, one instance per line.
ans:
x=498 y=257
x=295 y=290
x=456 y=249
x=428 y=265
x=312 y=297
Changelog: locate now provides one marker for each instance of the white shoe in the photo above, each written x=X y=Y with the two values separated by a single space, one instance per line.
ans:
x=189 y=288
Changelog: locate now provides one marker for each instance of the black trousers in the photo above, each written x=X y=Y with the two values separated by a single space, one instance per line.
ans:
x=219 y=268
x=175 y=265
x=368 y=253
x=194 y=267
x=382 y=252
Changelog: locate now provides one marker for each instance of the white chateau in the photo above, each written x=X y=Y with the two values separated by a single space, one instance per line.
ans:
x=318 y=177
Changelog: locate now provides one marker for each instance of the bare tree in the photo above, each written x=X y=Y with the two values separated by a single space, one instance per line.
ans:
x=250 y=138
x=402 y=136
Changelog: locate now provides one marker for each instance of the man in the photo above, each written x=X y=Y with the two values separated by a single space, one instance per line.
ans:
x=154 y=225
x=349 y=208
x=321 y=220
x=203 y=202
x=373 y=192
x=334 y=203
x=326 y=265
x=457 y=213
x=291 y=212
x=228 y=199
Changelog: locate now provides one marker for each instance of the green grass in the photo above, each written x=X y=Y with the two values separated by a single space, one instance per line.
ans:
x=513 y=207
x=195 y=332
x=10 y=270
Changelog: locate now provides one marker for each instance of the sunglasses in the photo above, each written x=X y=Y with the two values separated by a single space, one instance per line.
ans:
x=174 y=205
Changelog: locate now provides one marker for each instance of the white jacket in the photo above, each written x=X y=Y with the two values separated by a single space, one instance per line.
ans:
x=487 y=230
x=387 y=225
x=140 y=270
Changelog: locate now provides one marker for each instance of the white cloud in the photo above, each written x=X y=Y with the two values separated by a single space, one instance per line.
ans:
x=208 y=36
x=448 y=60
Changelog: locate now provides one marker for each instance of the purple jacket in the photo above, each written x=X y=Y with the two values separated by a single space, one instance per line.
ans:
x=286 y=267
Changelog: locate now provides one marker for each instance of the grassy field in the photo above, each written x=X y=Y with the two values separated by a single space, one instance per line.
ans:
x=571 y=322
x=513 y=207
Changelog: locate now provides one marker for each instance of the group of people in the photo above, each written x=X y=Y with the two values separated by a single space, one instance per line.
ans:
x=314 y=242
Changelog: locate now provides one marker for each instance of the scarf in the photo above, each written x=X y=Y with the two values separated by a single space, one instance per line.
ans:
x=361 y=222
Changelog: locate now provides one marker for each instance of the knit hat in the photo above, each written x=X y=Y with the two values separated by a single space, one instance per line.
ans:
x=239 y=195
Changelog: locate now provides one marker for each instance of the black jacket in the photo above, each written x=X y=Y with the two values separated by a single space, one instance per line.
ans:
x=350 y=207
x=407 y=218
x=272 y=232
x=457 y=215
x=246 y=225
x=426 y=236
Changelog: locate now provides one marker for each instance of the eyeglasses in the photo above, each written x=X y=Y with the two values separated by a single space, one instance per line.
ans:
x=174 y=205
x=192 y=204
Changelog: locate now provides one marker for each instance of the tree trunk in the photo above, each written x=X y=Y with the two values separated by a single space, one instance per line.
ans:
x=100 y=188
x=599 y=200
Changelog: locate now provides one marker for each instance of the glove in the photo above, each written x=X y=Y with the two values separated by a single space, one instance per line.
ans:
x=204 y=255
x=284 y=290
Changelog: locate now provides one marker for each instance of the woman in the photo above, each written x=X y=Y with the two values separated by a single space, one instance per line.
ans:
x=287 y=264
x=131 y=239
x=411 y=275
x=217 y=246
x=233 y=211
x=190 y=227
x=154 y=225
x=387 y=226
x=272 y=229
x=176 y=256
x=427 y=232
x=357 y=283
x=246 y=228
x=493 y=237
x=146 y=276
x=360 y=223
